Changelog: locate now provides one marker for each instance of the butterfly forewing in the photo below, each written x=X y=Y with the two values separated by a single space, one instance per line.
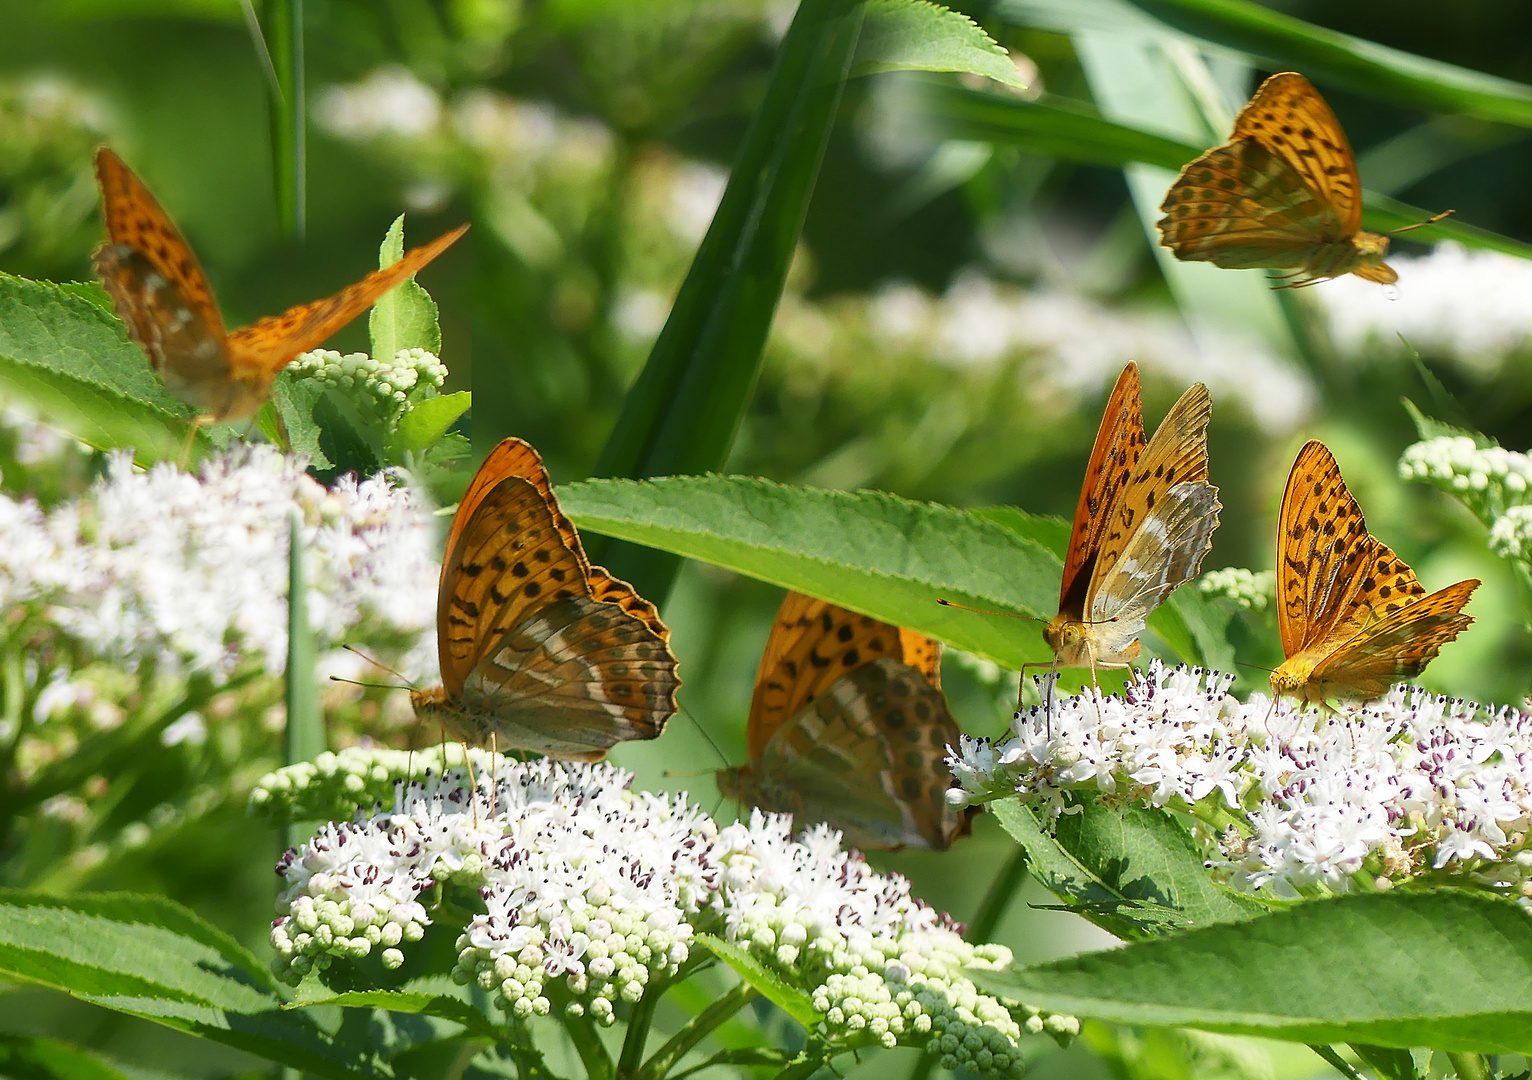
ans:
x=1288 y=117
x=1119 y=442
x=267 y=346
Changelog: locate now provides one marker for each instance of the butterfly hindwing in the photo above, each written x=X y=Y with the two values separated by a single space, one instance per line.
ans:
x=1289 y=118
x=1400 y=645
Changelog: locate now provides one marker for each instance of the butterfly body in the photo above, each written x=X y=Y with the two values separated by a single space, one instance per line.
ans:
x=1282 y=194
x=539 y=649
x=1144 y=521
x=849 y=726
x=1353 y=617
x=160 y=292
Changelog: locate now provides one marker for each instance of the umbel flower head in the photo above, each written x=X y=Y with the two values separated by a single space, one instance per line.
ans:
x=395 y=386
x=1415 y=787
x=590 y=893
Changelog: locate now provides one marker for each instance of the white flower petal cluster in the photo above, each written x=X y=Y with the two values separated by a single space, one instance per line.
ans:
x=1253 y=590
x=394 y=385
x=190 y=571
x=1489 y=480
x=1412 y=785
x=603 y=889
x=1469 y=305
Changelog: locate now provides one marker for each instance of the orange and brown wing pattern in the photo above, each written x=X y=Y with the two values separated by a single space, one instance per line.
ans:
x=1327 y=561
x=812 y=644
x=1119 y=444
x=1288 y=117
x=1177 y=454
x=265 y=347
x=1399 y=645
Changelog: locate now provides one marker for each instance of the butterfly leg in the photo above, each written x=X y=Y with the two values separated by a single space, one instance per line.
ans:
x=196 y=425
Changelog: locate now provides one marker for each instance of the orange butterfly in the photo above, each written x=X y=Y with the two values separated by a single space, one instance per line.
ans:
x=1143 y=524
x=849 y=726
x=539 y=649
x=161 y=293
x=1282 y=193
x=1354 y=620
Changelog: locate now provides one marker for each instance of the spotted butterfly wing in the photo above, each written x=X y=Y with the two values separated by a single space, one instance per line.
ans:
x=849 y=726
x=1144 y=522
x=540 y=650
x=1353 y=617
x=160 y=292
x=1283 y=193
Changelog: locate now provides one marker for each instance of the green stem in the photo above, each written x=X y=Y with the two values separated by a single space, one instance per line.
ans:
x=1335 y=1061
x=998 y=898
x=586 y=1037
x=803 y=1068
x=1468 y=1066
x=695 y=1030
x=639 y=1022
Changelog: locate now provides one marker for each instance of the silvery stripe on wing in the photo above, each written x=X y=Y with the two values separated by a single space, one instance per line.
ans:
x=1165 y=550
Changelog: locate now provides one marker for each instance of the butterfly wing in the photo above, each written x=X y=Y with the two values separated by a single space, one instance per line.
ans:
x=868 y=757
x=1398 y=646
x=1290 y=119
x=1240 y=206
x=812 y=644
x=157 y=286
x=1119 y=443
x=534 y=646
x=1165 y=550
x=1330 y=569
x=258 y=351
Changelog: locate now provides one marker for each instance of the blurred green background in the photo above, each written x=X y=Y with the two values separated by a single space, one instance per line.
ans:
x=954 y=317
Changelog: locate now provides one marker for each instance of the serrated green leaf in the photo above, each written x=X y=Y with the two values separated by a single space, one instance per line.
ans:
x=1046 y=529
x=872 y=552
x=916 y=35
x=1134 y=872
x=151 y=958
x=405 y=317
x=25 y=1057
x=428 y=421
x=790 y=1000
x=1196 y=629
x=1447 y=969
x=440 y=1006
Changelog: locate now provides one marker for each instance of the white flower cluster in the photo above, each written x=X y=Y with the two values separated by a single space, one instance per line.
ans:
x=190 y=571
x=395 y=385
x=1488 y=479
x=603 y=889
x=1469 y=305
x=1413 y=785
x=1253 y=590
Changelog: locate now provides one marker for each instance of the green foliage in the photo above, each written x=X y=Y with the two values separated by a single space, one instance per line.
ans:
x=405 y=317
x=1445 y=969
x=916 y=35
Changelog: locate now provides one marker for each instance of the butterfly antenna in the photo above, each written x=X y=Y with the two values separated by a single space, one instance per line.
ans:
x=982 y=611
x=1254 y=667
x=382 y=666
x=1432 y=220
x=369 y=685
x=706 y=737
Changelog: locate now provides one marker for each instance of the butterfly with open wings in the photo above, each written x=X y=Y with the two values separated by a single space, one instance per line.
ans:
x=159 y=290
x=1282 y=193
x=539 y=649
x=1353 y=618
x=1144 y=521
x=849 y=726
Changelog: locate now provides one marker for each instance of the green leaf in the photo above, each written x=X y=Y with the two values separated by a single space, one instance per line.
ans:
x=876 y=553
x=1448 y=969
x=73 y=361
x=1051 y=532
x=151 y=958
x=422 y=1003
x=1195 y=628
x=428 y=421
x=915 y=35
x=405 y=317
x=683 y=411
x=24 y=1057
x=792 y=1001
x=1133 y=872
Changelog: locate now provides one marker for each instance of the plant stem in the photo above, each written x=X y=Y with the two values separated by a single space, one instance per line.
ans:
x=802 y=1069
x=695 y=1030
x=1335 y=1061
x=1468 y=1066
x=639 y=1023
x=997 y=898
x=585 y=1036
